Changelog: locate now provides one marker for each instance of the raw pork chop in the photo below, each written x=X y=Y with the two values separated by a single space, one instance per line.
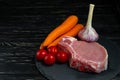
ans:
x=84 y=56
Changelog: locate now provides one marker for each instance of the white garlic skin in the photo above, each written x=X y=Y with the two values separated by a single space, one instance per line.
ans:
x=88 y=34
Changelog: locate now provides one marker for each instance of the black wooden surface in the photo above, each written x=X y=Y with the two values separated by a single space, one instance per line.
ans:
x=25 y=23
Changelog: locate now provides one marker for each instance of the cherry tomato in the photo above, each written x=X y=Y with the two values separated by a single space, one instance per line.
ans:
x=62 y=57
x=41 y=54
x=53 y=50
x=49 y=59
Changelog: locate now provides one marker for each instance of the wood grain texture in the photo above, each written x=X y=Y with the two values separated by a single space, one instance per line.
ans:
x=24 y=25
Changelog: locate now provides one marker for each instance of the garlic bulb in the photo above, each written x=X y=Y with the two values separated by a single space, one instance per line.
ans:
x=88 y=33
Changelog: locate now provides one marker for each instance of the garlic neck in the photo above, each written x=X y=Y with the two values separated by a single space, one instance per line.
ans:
x=90 y=15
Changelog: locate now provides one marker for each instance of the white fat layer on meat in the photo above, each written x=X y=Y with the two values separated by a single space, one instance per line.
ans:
x=73 y=52
x=93 y=66
x=69 y=38
x=106 y=63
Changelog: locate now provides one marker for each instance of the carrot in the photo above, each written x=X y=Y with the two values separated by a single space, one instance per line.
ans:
x=73 y=32
x=68 y=24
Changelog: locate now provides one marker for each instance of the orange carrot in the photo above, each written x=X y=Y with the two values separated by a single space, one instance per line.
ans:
x=73 y=32
x=68 y=24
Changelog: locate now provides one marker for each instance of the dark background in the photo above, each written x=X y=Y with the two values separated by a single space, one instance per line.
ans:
x=24 y=24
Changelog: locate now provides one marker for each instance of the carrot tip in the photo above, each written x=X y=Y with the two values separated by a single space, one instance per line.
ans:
x=41 y=46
